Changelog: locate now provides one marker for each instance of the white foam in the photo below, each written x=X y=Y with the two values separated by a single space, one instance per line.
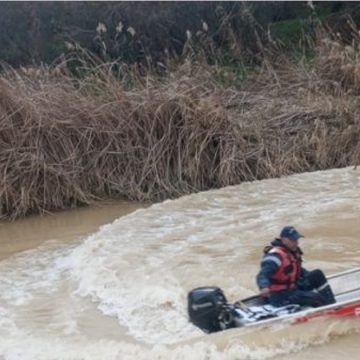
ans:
x=232 y=345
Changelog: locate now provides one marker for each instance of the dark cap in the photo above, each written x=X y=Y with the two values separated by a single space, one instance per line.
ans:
x=291 y=233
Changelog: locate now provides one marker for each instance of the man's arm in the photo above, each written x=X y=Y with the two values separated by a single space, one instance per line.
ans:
x=269 y=266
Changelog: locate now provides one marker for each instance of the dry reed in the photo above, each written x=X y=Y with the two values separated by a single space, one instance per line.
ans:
x=66 y=142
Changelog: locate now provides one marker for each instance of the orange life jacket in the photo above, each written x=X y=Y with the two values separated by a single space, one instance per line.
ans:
x=289 y=271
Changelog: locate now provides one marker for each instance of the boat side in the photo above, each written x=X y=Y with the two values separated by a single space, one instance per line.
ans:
x=346 y=309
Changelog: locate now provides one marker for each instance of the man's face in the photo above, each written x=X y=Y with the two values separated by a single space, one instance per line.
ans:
x=290 y=244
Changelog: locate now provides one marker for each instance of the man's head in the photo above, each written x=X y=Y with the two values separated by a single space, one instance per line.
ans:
x=289 y=237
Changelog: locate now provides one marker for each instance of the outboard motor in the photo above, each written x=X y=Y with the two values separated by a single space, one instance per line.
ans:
x=209 y=310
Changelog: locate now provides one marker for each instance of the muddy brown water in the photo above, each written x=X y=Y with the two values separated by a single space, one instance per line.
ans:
x=30 y=232
x=110 y=282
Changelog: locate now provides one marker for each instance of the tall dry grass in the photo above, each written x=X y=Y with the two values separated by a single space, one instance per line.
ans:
x=66 y=142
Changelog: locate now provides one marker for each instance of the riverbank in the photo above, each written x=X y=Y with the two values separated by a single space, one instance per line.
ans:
x=66 y=142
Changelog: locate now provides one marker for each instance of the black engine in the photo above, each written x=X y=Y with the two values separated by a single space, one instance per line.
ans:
x=208 y=309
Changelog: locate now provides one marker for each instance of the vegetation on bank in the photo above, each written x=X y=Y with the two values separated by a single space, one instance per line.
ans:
x=84 y=129
x=148 y=33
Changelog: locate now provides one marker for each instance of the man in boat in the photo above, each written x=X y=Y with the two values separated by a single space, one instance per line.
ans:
x=282 y=279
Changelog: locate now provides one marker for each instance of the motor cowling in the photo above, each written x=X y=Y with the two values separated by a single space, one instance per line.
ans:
x=208 y=309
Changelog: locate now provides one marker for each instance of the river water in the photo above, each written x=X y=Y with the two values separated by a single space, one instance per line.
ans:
x=72 y=290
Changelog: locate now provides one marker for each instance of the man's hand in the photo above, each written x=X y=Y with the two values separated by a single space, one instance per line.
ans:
x=265 y=292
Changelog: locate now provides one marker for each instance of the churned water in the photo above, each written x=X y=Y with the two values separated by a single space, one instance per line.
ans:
x=120 y=292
